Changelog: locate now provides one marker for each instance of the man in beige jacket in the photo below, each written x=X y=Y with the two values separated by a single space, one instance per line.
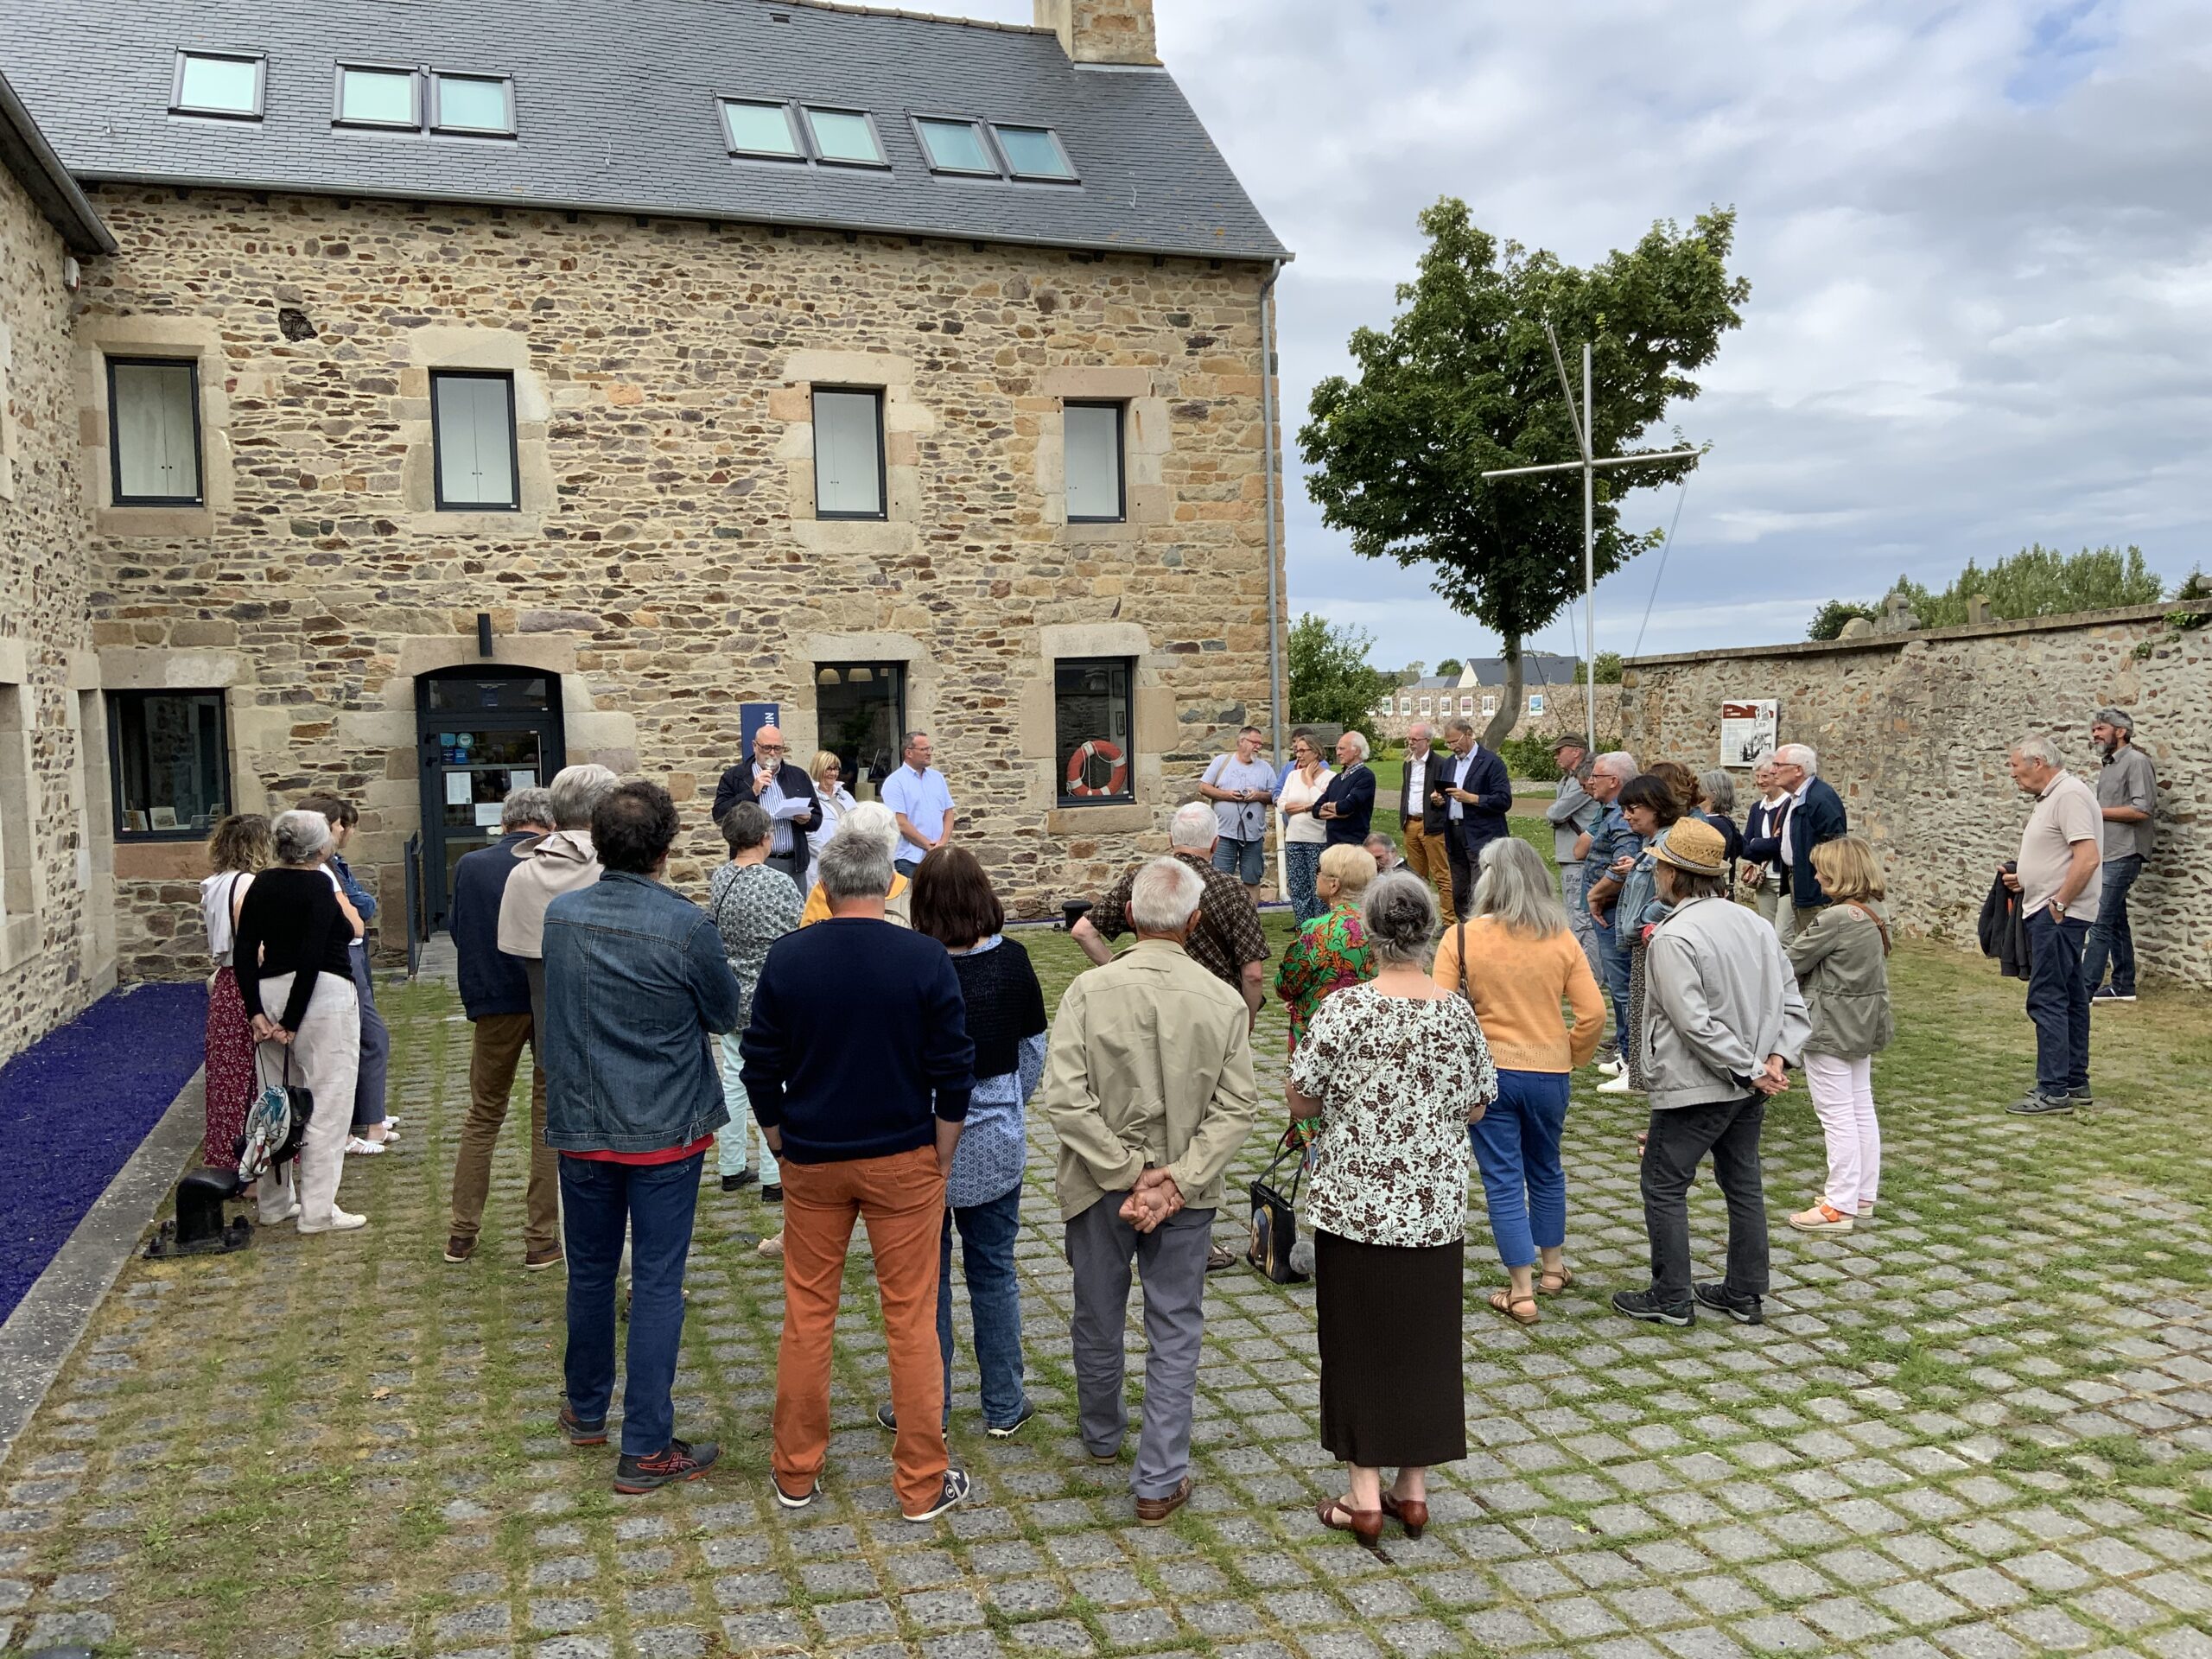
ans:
x=559 y=863
x=1149 y=1084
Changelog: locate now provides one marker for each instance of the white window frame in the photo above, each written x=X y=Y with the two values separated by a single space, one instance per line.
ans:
x=1489 y=707
x=1405 y=706
x=1535 y=702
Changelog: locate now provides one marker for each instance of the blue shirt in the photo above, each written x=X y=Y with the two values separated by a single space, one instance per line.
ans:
x=924 y=799
x=356 y=895
x=1609 y=840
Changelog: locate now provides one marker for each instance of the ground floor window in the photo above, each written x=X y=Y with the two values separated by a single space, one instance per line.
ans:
x=1091 y=717
x=860 y=716
x=169 y=756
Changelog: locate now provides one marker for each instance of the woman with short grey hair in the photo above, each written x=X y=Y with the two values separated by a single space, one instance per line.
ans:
x=1395 y=1069
x=753 y=905
x=1716 y=804
x=290 y=953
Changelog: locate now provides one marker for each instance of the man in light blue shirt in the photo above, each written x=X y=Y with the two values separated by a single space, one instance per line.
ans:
x=918 y=798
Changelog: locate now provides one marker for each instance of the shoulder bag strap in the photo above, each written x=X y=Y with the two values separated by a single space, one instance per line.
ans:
x=1880 y=926
x=1459 y=938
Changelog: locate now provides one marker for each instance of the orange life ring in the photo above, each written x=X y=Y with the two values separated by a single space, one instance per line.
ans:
x=1078 y=779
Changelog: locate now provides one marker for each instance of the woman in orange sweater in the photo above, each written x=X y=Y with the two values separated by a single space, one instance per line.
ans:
x=1515 y=963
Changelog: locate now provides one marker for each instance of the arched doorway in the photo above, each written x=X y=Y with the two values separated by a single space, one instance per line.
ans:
x=481 y=731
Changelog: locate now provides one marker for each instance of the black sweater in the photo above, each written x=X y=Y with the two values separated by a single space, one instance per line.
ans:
x=1004 y=1003
x=858 y=1041
x=290 y=924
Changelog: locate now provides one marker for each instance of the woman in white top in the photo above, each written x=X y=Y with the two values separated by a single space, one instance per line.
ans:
x=240 y=846
x=837 y=801
x=1303 y=833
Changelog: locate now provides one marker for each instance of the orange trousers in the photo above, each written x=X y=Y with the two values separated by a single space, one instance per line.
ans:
x=1426 y=858
x=901 y=1200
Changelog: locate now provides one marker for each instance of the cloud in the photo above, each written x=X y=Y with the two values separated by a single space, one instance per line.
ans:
x=1981 y=271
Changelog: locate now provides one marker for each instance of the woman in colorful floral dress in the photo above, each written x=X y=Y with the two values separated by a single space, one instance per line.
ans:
x=1330 y=951
x=240 y=846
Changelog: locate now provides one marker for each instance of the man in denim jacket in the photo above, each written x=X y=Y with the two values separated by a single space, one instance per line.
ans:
x=635 y=979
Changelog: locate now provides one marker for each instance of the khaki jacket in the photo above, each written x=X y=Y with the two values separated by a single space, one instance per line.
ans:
x=560 y=863
x=1150 y=1063
x=1839 y=964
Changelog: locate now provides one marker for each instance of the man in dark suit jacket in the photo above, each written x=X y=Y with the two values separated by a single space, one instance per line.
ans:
x=1813 y=813
x=1468 y=797
x=1347 y=805
x=772 y=782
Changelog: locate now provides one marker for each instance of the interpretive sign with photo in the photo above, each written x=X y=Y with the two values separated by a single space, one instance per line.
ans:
x=1747 y=731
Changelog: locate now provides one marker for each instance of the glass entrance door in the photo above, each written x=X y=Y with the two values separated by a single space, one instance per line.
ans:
x=860 y=716
x=481 y=732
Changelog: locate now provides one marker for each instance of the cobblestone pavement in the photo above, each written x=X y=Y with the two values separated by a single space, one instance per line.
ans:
x=1980 y=1426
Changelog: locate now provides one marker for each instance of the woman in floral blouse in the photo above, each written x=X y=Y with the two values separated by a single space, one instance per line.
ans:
x=752 y=906
x=1397 y=1070
x=1330 y=951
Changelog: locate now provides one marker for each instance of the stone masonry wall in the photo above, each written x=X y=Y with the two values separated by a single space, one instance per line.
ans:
x=1913 y=729
x=666 y=561
x=55 y=954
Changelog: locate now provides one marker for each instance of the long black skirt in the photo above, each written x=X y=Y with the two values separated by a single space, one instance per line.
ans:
x=1392 y=1392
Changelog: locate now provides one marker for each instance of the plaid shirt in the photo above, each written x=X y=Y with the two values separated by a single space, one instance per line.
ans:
x=1224 y=937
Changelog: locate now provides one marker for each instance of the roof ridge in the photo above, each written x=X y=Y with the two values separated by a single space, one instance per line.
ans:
x=910 y=16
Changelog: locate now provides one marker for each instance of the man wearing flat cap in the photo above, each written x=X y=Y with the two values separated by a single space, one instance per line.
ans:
x=1724 y=1022
x=2127 y=799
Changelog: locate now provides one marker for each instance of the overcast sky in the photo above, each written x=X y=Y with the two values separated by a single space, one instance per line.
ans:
x=1977 y=236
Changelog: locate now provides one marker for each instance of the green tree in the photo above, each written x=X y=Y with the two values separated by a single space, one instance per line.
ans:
x=1332 y=682
x=1462 y=382
x=2039 y=580
x=1451 y=666
x=1828 y=621
x=1608 y=668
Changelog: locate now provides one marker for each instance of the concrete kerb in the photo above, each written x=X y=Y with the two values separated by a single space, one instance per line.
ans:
x=47 y=1325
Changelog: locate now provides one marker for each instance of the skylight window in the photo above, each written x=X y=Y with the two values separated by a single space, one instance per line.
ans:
x=846 y=135
x=377 y=98
x=955 y=146
x=1034 y=153
x=482 y=103
x=210 y=83
x=759 y=129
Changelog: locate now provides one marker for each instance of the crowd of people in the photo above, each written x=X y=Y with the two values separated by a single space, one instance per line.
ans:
x=1441 y=992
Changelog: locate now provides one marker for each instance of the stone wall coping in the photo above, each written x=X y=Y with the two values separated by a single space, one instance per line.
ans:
x=1969 y=631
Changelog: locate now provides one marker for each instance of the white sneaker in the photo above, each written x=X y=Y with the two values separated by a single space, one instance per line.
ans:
x=357 y=1147
x=1611 y=1068
x=281 y=1215
x=1619 y=1085
x=341 y=1222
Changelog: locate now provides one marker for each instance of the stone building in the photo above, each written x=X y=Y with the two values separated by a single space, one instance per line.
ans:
x=467 y=393
x=1912 y=729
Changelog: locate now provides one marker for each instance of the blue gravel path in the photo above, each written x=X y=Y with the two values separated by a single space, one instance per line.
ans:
x=74 y=1106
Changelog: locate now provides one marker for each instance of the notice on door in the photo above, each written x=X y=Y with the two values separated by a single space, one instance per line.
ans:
x=1747 y=730
x=460 y=788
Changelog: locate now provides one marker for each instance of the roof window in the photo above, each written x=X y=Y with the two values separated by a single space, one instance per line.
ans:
x=477 y=103
x=955 y=146
x=1034 y=153
x=216 y=83
x=371 y=97
x=755 y=127
x=845 y=137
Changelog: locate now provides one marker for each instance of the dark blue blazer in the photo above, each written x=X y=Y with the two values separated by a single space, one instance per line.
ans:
x=492 y=982
x=1821 y=819
x=1353 y=792
x=1481 y=773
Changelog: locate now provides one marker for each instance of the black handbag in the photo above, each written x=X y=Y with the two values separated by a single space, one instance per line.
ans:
x=1274 y=1215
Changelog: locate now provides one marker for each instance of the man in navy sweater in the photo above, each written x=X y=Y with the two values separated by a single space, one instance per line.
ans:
x=866 y=1130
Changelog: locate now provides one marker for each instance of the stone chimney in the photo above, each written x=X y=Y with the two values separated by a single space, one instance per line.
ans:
x=1102 y=31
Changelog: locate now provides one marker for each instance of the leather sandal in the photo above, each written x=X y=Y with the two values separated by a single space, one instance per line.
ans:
x=1366 y=1525
x=1550 y=1283
x=1411 y=1513
x=1505 y=1302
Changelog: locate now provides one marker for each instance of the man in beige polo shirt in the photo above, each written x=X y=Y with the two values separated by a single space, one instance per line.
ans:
x=2061 y=852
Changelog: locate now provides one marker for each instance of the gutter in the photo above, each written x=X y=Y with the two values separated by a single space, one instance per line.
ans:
x=24 y=152
x=1275 y=536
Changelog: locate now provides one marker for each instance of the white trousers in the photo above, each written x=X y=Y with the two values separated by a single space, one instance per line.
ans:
x=1843 y=1099
x=325 y=1054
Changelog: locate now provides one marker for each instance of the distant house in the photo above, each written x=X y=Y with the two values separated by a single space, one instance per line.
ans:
x=1550 y=698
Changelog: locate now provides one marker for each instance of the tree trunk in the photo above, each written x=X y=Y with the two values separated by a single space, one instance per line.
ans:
x=1509 y=706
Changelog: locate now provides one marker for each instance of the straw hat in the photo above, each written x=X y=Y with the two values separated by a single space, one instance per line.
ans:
x=1694 y=846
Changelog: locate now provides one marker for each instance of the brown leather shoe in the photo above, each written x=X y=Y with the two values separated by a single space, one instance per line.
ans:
x=1156 y=1511
x=1411 y=1513
x=459 y=1248
x=537 y=1261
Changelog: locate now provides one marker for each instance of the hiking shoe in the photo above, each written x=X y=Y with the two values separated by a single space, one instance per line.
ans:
x=1007 y=1431
x=538 y=1260
x=743 y=1179
x=1157 y=1511
x=951 y=1495
x=1744 y=1310
x=459 y=1248
x=2108 y=995
x=2035 y=1104
x=576 y=1431
x=799 y=1502
x=678 y=1461
x=771 y=1194
x=1646 y=1306
x=1823 y=1218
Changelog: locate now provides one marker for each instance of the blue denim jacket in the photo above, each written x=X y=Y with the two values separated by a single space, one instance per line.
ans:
x=356 y=895
x=635 y=979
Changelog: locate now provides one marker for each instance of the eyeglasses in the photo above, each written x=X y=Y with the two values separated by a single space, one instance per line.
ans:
x=768 y=748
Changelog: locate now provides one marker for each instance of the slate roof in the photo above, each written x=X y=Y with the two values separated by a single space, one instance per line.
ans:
x=1538 y=669
x=25 y=153
x=616 y=111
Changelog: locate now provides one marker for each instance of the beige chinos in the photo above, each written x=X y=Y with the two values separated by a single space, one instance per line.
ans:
x=325 y=1054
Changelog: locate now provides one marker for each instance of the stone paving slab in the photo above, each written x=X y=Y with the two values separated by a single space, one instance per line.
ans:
x=1981 y=1426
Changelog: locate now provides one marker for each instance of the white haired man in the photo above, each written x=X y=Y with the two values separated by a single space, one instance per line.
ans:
x=1347 y=805
x=556 y=864
x=2055 y=876
x=1813 y=813
x=1148 y=1086
x=1225 y=939
x=2127 y=795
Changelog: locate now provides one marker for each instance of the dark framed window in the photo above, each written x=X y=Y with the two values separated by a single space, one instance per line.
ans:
x=1035 y=153
x=153 y=409
x=1093 y=715
x=472 y=437
x=1095 y=491
x=760 y=129
x=169 y=759
x=955 y=144
x=229 y=84
x=845 y=138
x=849 y=471
x=478 y=105
x=371 y=95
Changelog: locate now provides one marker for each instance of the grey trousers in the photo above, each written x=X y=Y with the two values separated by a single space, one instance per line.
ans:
x=1172 y=1260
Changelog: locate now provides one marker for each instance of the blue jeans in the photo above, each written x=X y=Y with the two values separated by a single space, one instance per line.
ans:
x=2110 y=938
x=1613 y=952
x=1302 y=862
x=987 y=1236
x=370 y=1082
x=1245 y=860
x=1517 y=1148
x=2058 y=1001
x=742 y=1130
x=655 y=1203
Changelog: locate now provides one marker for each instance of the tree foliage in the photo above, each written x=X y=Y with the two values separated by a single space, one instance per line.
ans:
x=2037 y=581
x=1462 y=383
x=1828 y=621
x=1332 y=682
x=1608 y=668
x=1451 y=666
